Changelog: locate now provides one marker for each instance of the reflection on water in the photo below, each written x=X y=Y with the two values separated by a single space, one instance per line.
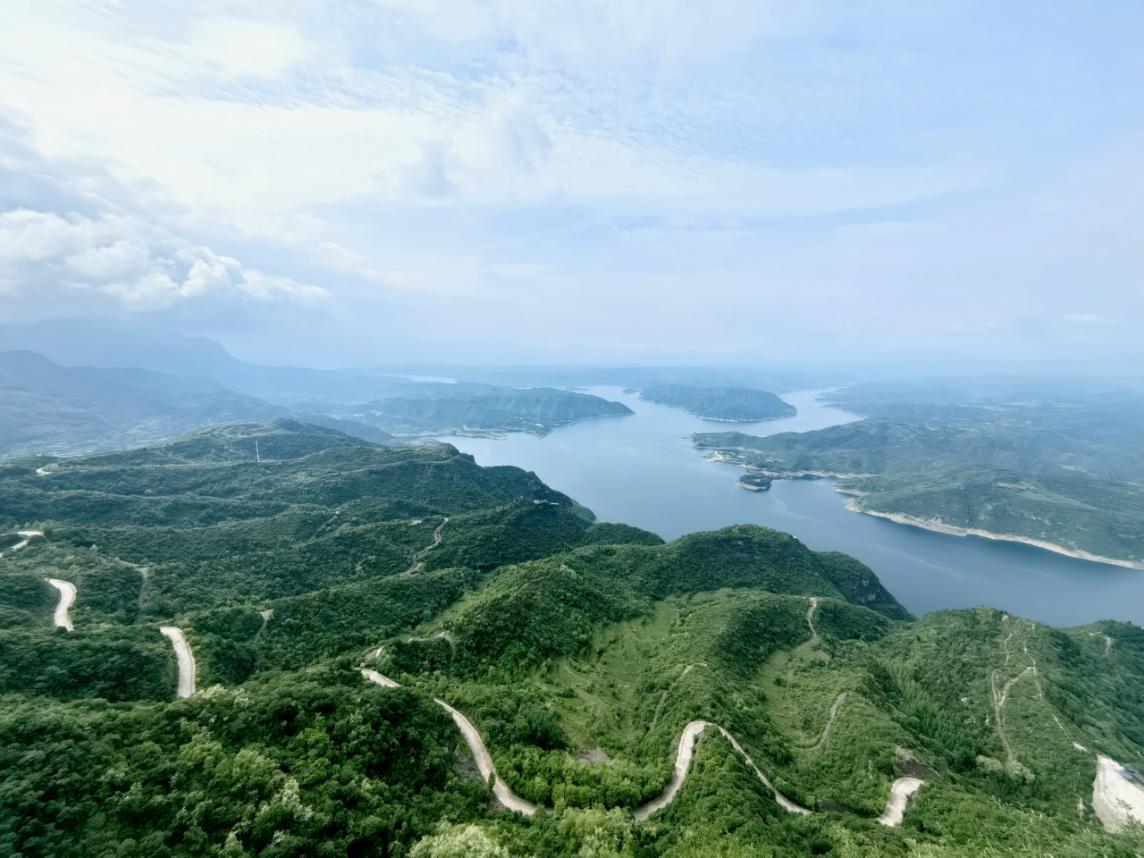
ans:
x=643 y=470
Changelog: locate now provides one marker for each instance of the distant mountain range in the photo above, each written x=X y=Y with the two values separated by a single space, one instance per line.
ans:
x=48 y=408
x=77 y=391
x=111 y=344
x=115 y=343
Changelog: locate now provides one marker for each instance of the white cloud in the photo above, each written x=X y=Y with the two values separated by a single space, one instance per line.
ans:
x=842 y=168
x=135 y=264
x=239 y=47
x=534 y=106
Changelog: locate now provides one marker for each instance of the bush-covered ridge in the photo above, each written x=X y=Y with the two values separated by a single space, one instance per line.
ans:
x=580 y=661
x=1028 y=481
x=436 y=409
x=733 y=404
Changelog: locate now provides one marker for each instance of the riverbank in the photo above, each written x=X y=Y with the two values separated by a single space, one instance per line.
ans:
x=645 y=471
x=938 y=526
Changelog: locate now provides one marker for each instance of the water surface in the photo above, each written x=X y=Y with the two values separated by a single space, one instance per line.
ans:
x=643 y=470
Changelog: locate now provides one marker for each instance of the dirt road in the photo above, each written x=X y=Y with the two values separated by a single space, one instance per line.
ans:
x=67 y=595
x=185 y=658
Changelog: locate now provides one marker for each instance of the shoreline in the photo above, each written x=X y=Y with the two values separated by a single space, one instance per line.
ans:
x=937 y=526
x=721 y=456
x=751 y=488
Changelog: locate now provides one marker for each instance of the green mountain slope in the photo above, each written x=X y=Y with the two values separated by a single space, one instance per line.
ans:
x=578 y=652
x=1063 y=487
x=462 y=408
x=733 y=404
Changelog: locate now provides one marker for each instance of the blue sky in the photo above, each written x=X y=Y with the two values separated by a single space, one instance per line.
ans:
x=589 y=181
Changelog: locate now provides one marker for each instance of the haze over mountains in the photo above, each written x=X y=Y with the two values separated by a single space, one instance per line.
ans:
x=146 y=383
x=102 y=403
x=49 y=409
x=111 y=342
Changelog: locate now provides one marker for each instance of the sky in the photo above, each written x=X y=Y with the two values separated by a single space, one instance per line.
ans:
x=502 y=181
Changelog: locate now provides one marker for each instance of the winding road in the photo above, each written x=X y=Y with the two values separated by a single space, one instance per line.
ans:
x=417 y=563
x=480 y=753
x=688 y=739
x=26 y=536
x=900 y=790
x=185 y=658
x=825 y=734
x=67 y=596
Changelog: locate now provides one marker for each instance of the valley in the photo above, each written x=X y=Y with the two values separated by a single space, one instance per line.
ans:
x=571 y=430
x=645 y=469
x=733 y=684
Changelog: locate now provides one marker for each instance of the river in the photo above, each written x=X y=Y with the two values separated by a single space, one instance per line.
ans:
x=643 y=470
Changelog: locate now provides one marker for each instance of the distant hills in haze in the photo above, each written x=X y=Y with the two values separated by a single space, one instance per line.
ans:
x=116 y=384
x=48 y=408
x=116 y=343
x=107 y=344
x=77 y=387
x=730 y=404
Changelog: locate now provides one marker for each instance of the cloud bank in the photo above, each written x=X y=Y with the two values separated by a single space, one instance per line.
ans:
x=51 y=257
x=584 y=180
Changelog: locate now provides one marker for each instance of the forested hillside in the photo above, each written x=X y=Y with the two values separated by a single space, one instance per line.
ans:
x=424 y=409
x=294 y=557
x=732 y=404
x=1065 y=472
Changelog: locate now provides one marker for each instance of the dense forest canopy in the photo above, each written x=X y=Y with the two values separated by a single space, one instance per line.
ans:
x=293 y=556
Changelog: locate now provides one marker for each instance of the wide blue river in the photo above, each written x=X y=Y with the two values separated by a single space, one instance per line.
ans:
x=643 y=470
